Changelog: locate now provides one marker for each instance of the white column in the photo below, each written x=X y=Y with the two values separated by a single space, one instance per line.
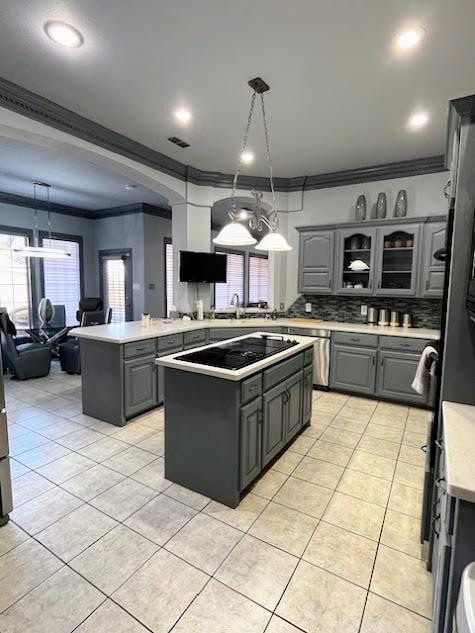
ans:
x=191 y=231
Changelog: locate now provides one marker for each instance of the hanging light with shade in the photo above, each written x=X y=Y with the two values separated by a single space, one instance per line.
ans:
x=37 y=250
x=234 y=233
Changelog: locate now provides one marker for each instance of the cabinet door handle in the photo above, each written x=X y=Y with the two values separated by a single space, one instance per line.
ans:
x=439 y=445
x=354 y=339
x=374 y=360
x=370 y=284
x=427 y=285
x=139 y=349
x=379 y=284
x=330 y=282
x=405 y=345
x=424 y=448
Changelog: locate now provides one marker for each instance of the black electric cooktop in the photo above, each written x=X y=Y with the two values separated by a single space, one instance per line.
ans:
x=239 y=354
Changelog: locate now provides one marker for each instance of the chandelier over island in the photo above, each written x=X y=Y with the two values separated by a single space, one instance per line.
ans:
x=235 y=233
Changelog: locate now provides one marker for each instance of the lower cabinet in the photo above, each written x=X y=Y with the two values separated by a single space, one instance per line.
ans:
x=282 y=413
x=140 y=385
x=273 y=424
x=395 y=376
x=294 y=405
x=251 y=442
x=307 y=393
x=353 y=369
x=161 y=376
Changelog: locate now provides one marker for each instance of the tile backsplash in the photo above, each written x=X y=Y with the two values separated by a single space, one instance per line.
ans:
x=425 y=312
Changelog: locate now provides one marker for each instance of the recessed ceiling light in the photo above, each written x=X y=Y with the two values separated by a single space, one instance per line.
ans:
x=183 y=115
x=64 y=34
x=247 y=157
x=418 y=120
x=410 y=38
x=243 y=214
x=130 y=187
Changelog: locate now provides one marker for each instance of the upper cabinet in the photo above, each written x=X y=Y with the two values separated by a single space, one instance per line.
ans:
x=388 y=258
x=398 y=260
x=316 y=251
x=433 y=270
x=355 y=261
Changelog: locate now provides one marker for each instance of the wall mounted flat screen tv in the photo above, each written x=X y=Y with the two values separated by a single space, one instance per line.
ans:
x=202 y=267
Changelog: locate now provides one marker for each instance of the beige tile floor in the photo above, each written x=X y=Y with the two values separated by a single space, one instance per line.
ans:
x=101 y=542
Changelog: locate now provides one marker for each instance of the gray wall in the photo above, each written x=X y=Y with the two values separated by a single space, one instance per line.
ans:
x=121 y=232
x=142 y=233
x=22 y=217
x=156 y=229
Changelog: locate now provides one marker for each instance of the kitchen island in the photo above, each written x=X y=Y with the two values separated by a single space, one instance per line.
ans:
x=120 y=379
x=231 y=410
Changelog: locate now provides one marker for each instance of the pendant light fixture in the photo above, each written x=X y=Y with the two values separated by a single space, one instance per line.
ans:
x=37 y=250
x=234 y=233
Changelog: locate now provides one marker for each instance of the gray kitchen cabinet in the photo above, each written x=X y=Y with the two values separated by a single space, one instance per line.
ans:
x=397 y=263
x=140 y=385
x=294 y=404
x=307 y=394
x=251 y=442
x=353 y=369
x=273 y=421
x=356 y=249
x=396 y=372
x=433 y=270
x=161 y=375
x=316 y=258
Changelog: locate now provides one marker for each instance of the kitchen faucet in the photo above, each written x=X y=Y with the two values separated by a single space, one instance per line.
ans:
x=235 y=302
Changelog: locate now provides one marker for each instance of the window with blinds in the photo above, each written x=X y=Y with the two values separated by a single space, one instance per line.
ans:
x=258 y=279
x=114 y=287
x=62 y=277
x=15 y=279
x=168 y=277
x=223 y=293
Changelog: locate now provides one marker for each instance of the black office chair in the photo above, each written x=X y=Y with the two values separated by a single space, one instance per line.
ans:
x=24 y=360
x=70 y=352
x=89 y=304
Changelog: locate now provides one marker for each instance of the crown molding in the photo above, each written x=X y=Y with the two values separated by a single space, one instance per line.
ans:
x=89 y=214
x=27 y=103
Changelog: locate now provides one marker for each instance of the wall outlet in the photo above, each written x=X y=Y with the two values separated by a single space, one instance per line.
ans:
x=135 y=286
x=282 y=306
x=364 y=310
x=308 y=307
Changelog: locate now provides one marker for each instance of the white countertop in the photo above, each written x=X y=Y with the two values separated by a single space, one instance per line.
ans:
x=135 y=331
x=459 y=449
x=174 y=361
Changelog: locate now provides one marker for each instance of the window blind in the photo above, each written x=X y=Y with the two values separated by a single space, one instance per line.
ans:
x=168 y=278
x=15 y=279
x=235 y=281
x=62 y=277
x=258 y=279
x=114 y=287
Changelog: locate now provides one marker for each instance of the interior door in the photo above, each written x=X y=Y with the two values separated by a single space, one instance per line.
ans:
x=116 y=283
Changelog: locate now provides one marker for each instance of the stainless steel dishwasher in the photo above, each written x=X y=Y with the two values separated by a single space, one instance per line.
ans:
x=321 y=355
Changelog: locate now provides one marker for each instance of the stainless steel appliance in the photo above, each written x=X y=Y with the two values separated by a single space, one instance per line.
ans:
x=372 y=315
x=471 y=279
x=6 y=502
x=321 y=354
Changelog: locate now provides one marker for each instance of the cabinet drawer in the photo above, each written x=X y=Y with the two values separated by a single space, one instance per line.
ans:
x=194 y=338
x=169 y=342
x=139 y=348
x=403 y=344
x=251 y=388
x=350 y=338
x=221 y=333
x=282 y=371
x=308 y=356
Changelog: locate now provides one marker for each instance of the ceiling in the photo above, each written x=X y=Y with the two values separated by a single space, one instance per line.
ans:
x=74 y=182
x=340 y=96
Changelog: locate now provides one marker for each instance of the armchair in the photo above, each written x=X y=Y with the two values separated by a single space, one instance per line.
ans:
x=26 y=360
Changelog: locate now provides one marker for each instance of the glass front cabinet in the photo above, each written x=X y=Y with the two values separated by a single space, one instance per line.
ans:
x=398 y=260
x=357 y=258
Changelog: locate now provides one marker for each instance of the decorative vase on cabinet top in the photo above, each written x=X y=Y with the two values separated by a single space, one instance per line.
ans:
x=381 y=206
x=400 y=208
x=360 y=210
